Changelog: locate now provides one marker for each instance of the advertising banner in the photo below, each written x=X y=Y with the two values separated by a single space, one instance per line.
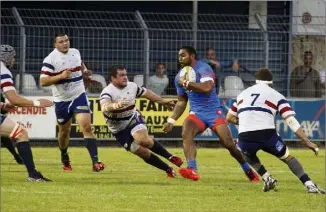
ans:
x=39 y=122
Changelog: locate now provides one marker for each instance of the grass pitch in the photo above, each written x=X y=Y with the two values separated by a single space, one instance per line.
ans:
x=128 y=184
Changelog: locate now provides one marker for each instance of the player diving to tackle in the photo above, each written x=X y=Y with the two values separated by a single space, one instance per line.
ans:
x=9 y=128
x=254 y=111
x=205 y=111
x=126 y=123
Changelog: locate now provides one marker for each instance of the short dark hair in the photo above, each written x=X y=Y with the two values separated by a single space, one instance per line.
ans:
x=158 y=64
x=113 y=70
x=264 y=74
x=307 y=52
x=209 y=48
x=59 y=34
x=191 y=50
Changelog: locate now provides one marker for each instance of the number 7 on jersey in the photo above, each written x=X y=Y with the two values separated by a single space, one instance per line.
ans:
x=256 y=95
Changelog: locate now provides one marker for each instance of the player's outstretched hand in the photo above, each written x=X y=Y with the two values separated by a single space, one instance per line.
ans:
x=169 y=104
x=167 y=127
x=313 y=147
x=44 y=103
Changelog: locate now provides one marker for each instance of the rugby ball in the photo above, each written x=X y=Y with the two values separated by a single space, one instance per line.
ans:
x=188 y=73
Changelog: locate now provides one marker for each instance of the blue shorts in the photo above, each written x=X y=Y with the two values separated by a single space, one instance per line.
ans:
x=273 y=145
x=211 y=120
x=65 y=110
x=2 y=118
x=124 y=137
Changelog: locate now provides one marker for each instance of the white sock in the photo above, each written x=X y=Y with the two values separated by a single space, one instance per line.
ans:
x=265 y=176
x=309 y=183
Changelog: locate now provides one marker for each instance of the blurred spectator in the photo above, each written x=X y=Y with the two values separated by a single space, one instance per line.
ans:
x=322 y=75
x=159 y=82
x=217 y=66
x=305 y=80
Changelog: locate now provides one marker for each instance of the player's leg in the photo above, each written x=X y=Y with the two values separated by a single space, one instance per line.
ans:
x=8 y=128
x=277 y=147
x=64 y=120
x=192 y=126
x=125 y=139
x=141 y=137
x=63 y=141
x=82 y=113
x=151 y=159
x=7 y=142
x=84 y=122
x=249 y=150
x=220 y=127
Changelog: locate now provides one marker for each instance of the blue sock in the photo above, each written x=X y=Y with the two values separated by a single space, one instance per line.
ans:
x=245 y=167
x=92 y=148
x=192 y=164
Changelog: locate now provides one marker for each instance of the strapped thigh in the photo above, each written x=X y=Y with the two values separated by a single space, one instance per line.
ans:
x=16 y=131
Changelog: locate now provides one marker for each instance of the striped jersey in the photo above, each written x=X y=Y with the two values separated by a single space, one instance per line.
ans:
x=7 y=83
x=257 y=106
x=54 y=64
x=118 y=120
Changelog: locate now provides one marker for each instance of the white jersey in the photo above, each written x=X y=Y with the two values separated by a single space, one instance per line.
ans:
x=7 y=82
x=257 y=106
x=118 y=120
x=157 y=84
x=54 y=64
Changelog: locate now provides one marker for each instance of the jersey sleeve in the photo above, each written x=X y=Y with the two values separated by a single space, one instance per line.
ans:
x=206 y=73
x=234 y=109
x=180 y=90
x=140 y=91
x=283 y=107
x=47 y=68
x=7 y=82
x=105 y=95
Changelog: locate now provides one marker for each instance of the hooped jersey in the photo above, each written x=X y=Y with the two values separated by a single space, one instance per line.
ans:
x=7 y=82
x=119 y=119
x=54 y=64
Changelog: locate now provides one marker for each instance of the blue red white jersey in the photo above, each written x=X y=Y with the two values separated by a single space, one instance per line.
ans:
x=54 y=64
x=257 y=106
x=200 y=103
x=119 y=120
x=7 y=82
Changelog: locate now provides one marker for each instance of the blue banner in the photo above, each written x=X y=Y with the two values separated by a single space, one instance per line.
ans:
x=310 y=114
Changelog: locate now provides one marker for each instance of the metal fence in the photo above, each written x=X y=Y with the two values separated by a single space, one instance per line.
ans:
x=141 y=40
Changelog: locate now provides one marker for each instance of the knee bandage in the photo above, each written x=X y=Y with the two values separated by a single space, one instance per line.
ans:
x=134 y=147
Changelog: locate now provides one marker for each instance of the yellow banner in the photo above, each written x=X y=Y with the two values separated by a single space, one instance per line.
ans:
x=154 y=114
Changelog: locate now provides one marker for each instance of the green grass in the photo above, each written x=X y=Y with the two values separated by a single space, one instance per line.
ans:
x=128 y=184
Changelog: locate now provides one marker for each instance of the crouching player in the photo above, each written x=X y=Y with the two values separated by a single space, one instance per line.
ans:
x=126 y=123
